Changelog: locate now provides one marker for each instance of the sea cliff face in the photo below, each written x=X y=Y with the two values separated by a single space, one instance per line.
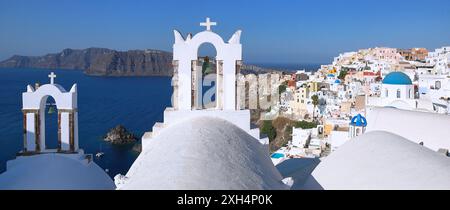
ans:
x=132 y=63
x=107 y=62
x=100 y=62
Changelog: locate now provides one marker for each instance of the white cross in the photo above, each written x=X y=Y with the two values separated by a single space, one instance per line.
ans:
x=208 y=24
x=52 y=78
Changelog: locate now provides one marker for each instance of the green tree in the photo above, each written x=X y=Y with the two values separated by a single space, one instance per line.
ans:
x=342 y=74
x=282 y=88
x=206 y=67
x=315 y=102
x=305 y=124
x=269 y=130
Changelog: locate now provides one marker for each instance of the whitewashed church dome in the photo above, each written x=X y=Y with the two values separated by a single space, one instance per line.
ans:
x=203 y=153
x=381 y=160
x=53 y=172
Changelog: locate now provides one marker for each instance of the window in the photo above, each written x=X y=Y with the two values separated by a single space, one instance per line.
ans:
x=437 y=85
x=398 y=93
x=387 y=93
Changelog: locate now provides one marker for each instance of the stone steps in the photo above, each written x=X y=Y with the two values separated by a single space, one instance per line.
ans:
x=157 y=128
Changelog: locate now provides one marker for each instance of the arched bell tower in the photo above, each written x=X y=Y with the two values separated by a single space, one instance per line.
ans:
x=358 y=126
x=186 y=79
x=34 y=102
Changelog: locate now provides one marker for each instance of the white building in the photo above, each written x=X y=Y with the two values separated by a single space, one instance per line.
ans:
x=430 y=129
x=300 y=137
x=343 y=58
x=397 y=91
x=440 y=58
x=397 y=86
x=380 y=160
x=357 y=127
x=429 y=83
x=378 y=65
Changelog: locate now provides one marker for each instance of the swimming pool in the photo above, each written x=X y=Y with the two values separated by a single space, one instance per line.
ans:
x=277 y=155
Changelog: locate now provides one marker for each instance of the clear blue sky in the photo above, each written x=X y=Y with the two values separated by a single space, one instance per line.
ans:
x=281 y=31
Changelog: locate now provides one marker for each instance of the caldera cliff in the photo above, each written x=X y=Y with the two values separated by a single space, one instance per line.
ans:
x=107 y=62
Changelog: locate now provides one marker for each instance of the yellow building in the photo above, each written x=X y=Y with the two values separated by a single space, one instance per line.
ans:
x=313 y=86
x=298 y=105
x=332 y=71
x=327 y=128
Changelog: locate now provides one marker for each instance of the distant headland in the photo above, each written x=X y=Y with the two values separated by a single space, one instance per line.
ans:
x=108 y=62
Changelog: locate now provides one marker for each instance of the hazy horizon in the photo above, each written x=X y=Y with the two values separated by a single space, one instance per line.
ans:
x=286 y=31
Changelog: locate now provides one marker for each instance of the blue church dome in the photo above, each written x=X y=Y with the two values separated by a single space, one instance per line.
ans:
x=397 y=78
x=337 y=81
x=358 y=120
x=330 y=75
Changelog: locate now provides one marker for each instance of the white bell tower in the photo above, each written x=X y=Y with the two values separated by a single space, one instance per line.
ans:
x=34 y=103
x=358 y=126
x=187 y=82
x=229 y=55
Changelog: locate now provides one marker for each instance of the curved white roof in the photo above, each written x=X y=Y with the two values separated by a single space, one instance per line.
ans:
x=54 y=172
x=400 y=104
x=203 y=153
x=430 y=128
x=381 y=160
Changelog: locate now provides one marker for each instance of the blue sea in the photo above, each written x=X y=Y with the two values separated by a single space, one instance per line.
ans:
x=103 y=102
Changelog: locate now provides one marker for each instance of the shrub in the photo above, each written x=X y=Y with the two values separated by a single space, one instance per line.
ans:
x=342 y=74
x=268 y=129
x=282 y=88
x=305 y=124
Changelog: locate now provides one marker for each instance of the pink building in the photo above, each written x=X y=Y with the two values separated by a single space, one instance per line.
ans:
x=387 y=54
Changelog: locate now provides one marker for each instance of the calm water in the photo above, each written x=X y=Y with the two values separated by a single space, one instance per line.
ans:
x=135 y=102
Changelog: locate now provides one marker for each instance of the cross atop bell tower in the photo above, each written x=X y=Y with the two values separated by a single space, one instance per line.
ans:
x=208 y=24
x=52 y=77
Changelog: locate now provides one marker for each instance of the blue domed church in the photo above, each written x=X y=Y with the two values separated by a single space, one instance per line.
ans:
x=397 y=85
x=397 y=91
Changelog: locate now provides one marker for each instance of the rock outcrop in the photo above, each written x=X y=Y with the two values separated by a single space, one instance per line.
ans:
x=120 y=135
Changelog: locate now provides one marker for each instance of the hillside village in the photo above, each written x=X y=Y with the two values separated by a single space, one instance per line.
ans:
x=318 y=111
